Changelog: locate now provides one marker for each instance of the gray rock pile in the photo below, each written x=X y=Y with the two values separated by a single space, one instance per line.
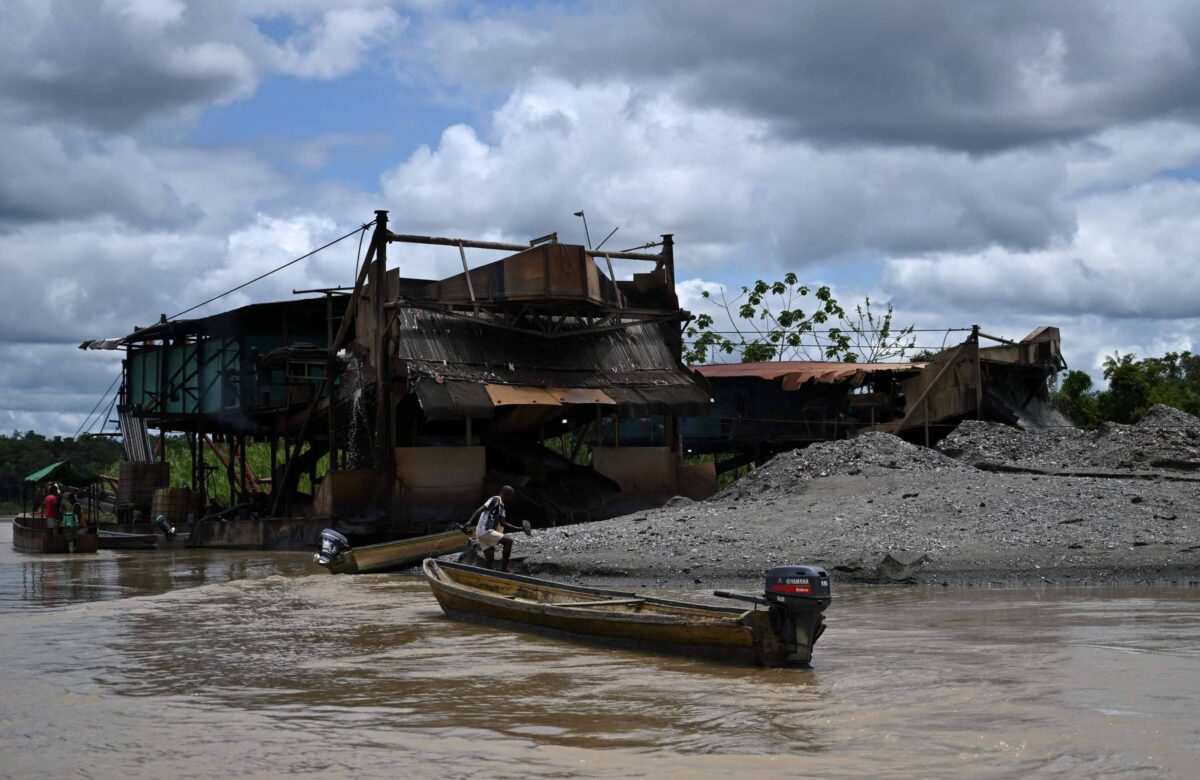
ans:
x=1165 y=438
x=870 y=453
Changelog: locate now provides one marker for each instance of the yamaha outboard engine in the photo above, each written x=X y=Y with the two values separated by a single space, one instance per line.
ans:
x=333 y=547
x=165 y=526
x=797 y=597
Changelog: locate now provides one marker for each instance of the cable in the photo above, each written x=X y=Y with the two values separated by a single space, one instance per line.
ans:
x=274 y=270
x=102 y=421
x=103 y=395
x=361 y=231
x=857 y=330
x=358 y=256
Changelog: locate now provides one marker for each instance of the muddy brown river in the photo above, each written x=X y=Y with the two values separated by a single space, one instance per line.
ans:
x=216 y=664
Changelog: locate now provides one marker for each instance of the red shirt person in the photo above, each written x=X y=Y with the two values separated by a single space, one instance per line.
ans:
x=50 y=504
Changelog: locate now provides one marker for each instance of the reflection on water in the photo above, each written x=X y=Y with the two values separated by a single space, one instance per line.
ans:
x=203 y=664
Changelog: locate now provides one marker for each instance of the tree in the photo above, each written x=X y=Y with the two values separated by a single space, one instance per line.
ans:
x=1076 y=400
x=768 y=324
x=1128 y=394
x=873 y=335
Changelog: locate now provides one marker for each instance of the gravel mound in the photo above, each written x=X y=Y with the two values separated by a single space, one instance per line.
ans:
x=1161 y=416
x=974 y=441
x=784 y=474
x=1166 y=438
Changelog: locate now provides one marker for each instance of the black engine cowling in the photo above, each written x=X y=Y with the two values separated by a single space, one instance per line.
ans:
x=798 y=597
x=333 y=547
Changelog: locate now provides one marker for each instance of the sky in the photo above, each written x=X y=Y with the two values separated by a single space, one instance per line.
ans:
x=1010 y=164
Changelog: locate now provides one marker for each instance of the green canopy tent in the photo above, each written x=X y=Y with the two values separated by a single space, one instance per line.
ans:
x=64 y=472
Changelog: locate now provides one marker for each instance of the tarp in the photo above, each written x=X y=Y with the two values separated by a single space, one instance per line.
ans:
x=63 y=471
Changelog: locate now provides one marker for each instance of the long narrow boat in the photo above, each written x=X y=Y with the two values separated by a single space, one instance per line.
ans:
x=32 y=535
x=340 y=558
x=121 y=540
x=783 y=634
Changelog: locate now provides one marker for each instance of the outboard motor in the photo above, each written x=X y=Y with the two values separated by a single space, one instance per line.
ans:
x=164 y=525
x=333 y=547
x=797 y=597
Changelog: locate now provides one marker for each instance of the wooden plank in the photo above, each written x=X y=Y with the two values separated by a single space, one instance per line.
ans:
x=609 y=603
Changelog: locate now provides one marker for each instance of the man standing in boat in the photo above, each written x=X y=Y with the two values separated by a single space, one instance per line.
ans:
x=50 y=506
x=489 y=519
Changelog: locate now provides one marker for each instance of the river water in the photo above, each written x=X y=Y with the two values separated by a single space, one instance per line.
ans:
x=216 y=664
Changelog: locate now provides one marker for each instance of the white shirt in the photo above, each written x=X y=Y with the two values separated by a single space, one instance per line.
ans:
x=489 y=519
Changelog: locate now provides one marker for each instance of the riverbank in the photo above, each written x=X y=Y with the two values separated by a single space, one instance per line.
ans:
x=1115 y=506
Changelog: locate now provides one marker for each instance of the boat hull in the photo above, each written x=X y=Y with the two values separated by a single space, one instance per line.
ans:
x=30 y=535
x=401 y=554
x=723 y=633
x=119 y=540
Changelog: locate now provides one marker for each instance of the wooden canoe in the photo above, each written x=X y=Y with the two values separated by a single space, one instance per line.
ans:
x=120 y=540
x=32 y=535
x=725 y=633
x=400 y=554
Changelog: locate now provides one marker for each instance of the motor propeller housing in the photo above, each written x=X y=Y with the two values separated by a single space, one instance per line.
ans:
x=333 y=546
x=797 y=597
x=164 y=525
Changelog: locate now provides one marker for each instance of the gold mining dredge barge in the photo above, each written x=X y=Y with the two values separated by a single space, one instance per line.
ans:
x=406 y=401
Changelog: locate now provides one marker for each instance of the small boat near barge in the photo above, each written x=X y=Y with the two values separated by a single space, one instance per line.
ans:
x=35 y=535
x=121 y=540
x=783 y=634
x=340 y=557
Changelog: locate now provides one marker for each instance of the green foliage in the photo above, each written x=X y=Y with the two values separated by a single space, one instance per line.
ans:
x=1076 y=400
x=22 y=454
x=1133 y=387
x=258 y=456
x=1128 y=394
x=769 y=324
x=924 y=356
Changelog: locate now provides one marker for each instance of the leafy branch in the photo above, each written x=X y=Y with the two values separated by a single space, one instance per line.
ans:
x=769 y=324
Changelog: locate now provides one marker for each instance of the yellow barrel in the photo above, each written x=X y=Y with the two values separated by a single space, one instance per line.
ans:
x=138 y=481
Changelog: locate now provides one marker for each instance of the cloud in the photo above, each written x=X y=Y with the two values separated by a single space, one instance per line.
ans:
x=120 y=64
x=49 y=389
x=115 y=65
x=1014 y=165
x=336 y=44
x=974 y=76
x=1134 y=256
x=67 y=175
x=652 y=165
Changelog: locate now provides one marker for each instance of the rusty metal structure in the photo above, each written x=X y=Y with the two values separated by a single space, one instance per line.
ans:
x=1008 y=383
x=419 y=396
x=760 y=409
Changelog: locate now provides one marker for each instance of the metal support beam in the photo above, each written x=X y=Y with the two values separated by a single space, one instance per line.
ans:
x=502 y=246
x=466 y=271
x=975 y=334
x=379 y=352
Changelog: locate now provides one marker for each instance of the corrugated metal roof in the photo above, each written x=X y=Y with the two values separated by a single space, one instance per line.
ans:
x=794 y=373
x=635 y=366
